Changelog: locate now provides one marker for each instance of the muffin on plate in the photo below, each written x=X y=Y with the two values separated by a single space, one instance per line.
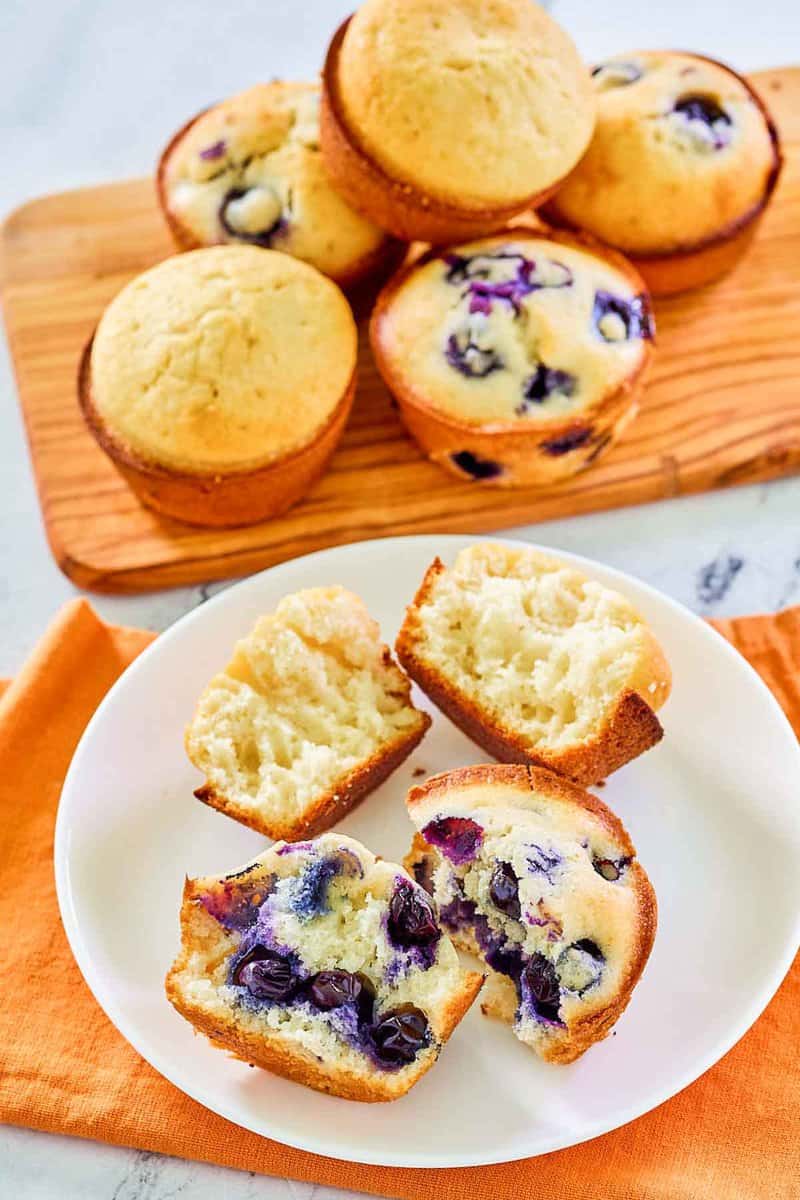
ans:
x=540 y=880
x=516 y=359
x=324 y=964
x=443 y=118
x=535 y=661
x=683 y=161
x=250 y=170
x=219 y=382
x=311 y=714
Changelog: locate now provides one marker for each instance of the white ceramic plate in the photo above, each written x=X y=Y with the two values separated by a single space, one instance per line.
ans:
x=713 y=811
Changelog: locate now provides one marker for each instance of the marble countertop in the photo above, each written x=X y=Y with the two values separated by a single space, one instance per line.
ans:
x=90 y=92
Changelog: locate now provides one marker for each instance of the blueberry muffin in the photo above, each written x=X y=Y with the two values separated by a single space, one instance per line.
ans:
x=321 y=963
x=535 y=661
x=250 y=170
x=683 y=161
x=310 y=715
x=219 y=382
x=517 y=359
x=443 y=118
x=541 y=881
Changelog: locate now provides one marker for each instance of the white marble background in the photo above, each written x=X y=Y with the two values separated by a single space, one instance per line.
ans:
x=89 y=91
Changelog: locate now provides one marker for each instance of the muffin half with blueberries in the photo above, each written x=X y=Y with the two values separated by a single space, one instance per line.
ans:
x=219 y=382
x=441 y=119
x=540 y=880
x=250 y=170
x=323 y=964
x=684 y=160
x=516 y=359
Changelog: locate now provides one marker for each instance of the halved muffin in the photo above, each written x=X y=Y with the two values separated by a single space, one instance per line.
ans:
x=684 y=159
x=518 y=359
x=310 y=715
x=535 y=661
x=443 y=118
x=219 y=382
x=250 y=170
x=540 y=880
x=321 y=963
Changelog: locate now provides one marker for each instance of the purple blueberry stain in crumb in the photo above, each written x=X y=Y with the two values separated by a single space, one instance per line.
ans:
x=504 y=889
x=707 y=118
x=617 y=319
x=541 y=992
x=293 y=848
x=544 y=919
x=476 y=467
x=616 y=73
x=309 y=892
x=467 y=352
x=543 y=860
x=572 y=440
x=544 y=383
x=458 y=838
x=214 y=151
x=505 y=276
x=399 y=1035
x=411 y=918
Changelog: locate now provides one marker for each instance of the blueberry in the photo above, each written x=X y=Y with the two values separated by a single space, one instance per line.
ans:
x=616 y=74
x=214 y=151
x=542 y=982
x=458 y=838
x=617 y=319
x=233 y=224
x=332 y=989
x=609 y=869
x=236 y=906
x=412 y=921
x=501 y=955
x=478 y=468
x=265 y=974
x=545 y=382
x=465 y=355
x=709 y=115
x=504 y=889
x=569 y=441
x=591 y=948
x=399 y=1035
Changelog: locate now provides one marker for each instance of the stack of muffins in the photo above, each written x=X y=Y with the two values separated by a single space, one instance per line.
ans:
x=220 y=381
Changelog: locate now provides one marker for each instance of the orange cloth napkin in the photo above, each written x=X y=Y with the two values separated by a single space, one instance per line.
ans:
x=64 y=1068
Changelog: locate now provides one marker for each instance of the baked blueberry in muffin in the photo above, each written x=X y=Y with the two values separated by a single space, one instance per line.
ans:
x=540 y=880
x=323 y=964
x=682 y=163
x=441 y=119
x=250 y=170
x=516 y=359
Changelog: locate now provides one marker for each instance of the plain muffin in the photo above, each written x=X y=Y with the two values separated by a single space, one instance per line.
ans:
x=442 y=118
x=682 y=163
x=219 y=381
x=250 y=170
x=516 y=359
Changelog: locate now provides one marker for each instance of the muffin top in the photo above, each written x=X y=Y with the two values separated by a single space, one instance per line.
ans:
x=476 y=102
x=222 y=359
x=681 y=149
x=513 y=329
x=250 y=170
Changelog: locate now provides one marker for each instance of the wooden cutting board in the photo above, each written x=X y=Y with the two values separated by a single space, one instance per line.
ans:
x=722 y=406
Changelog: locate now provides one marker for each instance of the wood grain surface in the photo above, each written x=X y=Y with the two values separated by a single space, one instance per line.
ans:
x=722 y=406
